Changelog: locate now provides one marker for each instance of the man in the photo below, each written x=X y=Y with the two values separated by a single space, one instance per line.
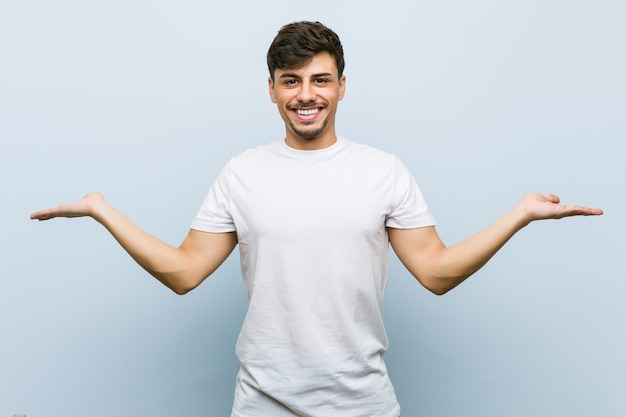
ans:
x=313 y=215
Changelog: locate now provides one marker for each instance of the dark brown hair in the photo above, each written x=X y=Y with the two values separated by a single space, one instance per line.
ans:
x=297 y=43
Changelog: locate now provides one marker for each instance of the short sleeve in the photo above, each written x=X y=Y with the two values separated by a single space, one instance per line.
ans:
x=409 y=210
x=214 y=214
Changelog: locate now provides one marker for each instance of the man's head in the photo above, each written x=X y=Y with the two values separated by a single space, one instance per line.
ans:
x=306 y=83
x=297 y=43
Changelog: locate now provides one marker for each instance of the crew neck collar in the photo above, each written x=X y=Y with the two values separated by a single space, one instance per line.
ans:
x=304 y=152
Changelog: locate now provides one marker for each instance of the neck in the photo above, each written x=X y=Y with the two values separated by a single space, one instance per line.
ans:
x=325 y=140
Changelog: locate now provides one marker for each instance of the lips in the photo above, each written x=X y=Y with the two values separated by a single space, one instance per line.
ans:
x=307 y=113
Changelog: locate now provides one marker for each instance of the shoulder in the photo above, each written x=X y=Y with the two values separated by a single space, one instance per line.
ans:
x=261 y=150
x=371 y=155
x=257 y=154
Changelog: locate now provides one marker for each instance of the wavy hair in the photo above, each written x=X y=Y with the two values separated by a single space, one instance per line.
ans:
x=297 y=43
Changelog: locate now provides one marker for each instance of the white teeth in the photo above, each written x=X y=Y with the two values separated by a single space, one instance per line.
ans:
x=308 y=112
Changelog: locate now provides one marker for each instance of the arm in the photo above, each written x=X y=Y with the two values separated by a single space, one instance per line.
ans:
x=440 y=269
x=181 y=269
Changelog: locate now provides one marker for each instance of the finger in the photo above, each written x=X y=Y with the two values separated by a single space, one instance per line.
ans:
x=553 y=198
x=36 y=215
x=592 y=211
x=582 y=211
x=41 y=215
x=597 y=211
x=50 y=213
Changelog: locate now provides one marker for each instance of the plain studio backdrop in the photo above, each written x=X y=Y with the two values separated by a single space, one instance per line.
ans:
x=145 y=101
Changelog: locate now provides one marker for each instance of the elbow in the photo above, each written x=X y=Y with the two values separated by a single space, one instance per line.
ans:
x=439 y=291
x=179 y=285
x=181 y=290
x=442 y=285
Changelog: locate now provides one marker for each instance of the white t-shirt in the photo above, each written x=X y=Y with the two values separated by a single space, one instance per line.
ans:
x=312 y=235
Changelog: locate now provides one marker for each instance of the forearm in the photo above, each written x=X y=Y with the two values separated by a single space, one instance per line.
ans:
x=440 y=269
x=181 y=269
x=167 y=263
x=452 y=265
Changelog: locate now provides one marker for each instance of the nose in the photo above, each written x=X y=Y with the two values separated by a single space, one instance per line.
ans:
x=306 y=94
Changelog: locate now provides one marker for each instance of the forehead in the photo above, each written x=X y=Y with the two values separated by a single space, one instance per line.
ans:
x=321 y=63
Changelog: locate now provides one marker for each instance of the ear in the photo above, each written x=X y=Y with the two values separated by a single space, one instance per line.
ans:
x=270 y=84
x=342 y=87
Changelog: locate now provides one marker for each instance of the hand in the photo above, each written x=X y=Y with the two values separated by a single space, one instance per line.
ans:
x=547 y=206
x=80 y=208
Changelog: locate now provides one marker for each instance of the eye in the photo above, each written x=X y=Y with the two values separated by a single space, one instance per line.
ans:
x=321 y=81
x=291 y=82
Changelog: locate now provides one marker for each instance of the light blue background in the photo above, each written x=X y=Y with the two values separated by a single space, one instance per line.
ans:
x=146 y=100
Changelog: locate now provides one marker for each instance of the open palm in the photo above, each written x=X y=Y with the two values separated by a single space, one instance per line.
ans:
x=79 y=208
x=547 y=206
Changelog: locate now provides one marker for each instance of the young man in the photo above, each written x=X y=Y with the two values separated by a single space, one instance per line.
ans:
x=313 y=215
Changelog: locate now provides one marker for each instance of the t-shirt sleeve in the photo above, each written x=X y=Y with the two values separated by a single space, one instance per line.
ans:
x=214 y=214
x=409 y=210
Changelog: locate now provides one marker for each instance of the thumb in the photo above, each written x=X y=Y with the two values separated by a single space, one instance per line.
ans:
x=553 y=198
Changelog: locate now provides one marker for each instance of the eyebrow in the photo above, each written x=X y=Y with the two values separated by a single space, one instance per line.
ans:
x=293 y=75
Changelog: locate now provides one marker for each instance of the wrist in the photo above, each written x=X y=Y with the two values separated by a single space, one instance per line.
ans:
x=520 y=216
x=97 y=207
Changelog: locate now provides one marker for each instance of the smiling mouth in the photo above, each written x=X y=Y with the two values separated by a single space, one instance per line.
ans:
x=307 y=112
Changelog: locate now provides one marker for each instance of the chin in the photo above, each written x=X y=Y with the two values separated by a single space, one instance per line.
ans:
x=309 y=134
